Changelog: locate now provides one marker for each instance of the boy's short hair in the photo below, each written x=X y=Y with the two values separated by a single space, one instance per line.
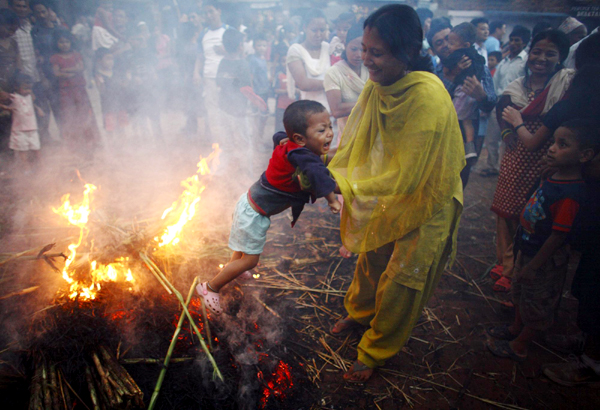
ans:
x=20 y=79
x=295 y=117
x=33 y=3
x=232 y=40
x=479 y=20
x=466 y=32
x=437 y=25
x=522 y=32
x=496 y=24
x=497 y=54
x=587 y=133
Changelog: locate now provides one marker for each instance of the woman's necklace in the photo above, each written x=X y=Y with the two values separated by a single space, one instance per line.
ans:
x=533 y=93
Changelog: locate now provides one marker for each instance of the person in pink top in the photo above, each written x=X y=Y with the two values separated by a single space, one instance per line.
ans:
x=77 y=121
x=24 y=137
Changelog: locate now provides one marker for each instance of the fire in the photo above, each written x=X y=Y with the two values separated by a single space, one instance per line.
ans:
x=279 y=382
x=187 y=203
x=78 y=215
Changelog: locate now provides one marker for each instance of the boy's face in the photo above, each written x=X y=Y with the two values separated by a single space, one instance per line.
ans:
x=516 y=45
x=456 y=43
x=21 y=8
x=40 y=12
x=260 y=47
x=565 y=150
x=482 y=32
x=492 y=62
x=213 y=15
x=25 y=89
x=319 y=134
x=341 y=30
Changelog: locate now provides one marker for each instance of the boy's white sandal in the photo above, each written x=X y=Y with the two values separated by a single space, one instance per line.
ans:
x=212 y=299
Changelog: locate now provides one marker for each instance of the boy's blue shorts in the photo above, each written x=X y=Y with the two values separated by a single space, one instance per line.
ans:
x=249 y=228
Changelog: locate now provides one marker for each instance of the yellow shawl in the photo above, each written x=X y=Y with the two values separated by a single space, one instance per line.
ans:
x=399 y=160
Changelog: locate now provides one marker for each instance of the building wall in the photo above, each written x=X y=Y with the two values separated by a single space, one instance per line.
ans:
x=546 y=6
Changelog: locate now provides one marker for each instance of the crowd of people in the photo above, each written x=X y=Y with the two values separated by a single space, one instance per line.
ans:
x=405 y=101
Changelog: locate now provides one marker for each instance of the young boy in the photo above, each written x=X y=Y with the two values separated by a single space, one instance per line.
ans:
x=260 y=79
x=295 y=174
x=24 y=137
x=541 y=240
x=460 y=43
x=494 y=59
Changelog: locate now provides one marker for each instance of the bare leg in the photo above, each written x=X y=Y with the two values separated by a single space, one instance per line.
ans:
x=238 y=264
x=517 y=325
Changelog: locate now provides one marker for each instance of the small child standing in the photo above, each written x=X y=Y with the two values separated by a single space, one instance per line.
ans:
x=494 y=59
x=296 y=173
x=260 y=80
x=77 y=120
x=460 y=43
x=541 y=242
x=24 y=137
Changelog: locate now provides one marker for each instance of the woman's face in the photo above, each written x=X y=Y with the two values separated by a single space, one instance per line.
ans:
x=543 y=57
x=315 y=32
x=354 y=52
x=383 y=67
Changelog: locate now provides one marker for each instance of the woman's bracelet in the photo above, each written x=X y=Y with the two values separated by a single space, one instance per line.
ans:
x=505 y=133
x=519 y=126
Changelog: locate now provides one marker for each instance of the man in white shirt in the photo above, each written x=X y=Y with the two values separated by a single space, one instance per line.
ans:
x=482 y=32
x=209 y=58
x=513 y=65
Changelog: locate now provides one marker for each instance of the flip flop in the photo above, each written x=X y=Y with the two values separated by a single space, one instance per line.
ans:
x=502 y=285
x=500 y=333
x=357 y=367
x=501 y=348
x=212 y=299
x=344 y=325
x=496 y=272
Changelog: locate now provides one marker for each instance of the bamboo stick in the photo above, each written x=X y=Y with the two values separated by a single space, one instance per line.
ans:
x=163 y=371
x=158 y=273
x=91 y=388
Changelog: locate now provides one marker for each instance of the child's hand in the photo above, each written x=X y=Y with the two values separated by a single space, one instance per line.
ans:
x=39 y=111
x=512 y=116
x=284 y=141
x=335 y=206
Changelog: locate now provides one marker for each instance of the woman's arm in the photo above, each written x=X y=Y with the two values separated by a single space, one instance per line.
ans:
x=339 y=109
x=302 y=81
x=532 y=142
x=506 y=130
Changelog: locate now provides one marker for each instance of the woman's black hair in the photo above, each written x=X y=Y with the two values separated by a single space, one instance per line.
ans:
x=354 y=32
x=588 y=51
x=585 y=87
x=399 y=27
x=8 y=18
x=310 y=15
x=539 y=27
x=556 y=37
x=63 y=33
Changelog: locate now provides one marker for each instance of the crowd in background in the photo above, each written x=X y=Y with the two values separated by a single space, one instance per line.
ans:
x=227 y=73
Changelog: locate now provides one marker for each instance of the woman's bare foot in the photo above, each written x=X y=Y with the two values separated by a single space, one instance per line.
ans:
x=345 y=252
x=343 y=325
x=358 y=372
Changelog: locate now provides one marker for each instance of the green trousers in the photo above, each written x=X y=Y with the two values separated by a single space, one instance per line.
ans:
x=393 y=284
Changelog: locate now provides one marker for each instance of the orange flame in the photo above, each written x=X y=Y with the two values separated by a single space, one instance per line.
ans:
x=78 y=215
x=187 y=203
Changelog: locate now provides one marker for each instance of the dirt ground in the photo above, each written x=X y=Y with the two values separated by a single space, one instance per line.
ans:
x=445 y=364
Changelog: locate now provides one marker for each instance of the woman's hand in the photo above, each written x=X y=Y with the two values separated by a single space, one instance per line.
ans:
x=512 y=116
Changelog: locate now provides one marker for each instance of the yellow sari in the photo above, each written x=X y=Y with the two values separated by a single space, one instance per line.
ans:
x=399 y=160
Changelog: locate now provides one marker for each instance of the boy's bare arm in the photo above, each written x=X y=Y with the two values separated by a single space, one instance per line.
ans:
x=333 y=202
x=555 y=241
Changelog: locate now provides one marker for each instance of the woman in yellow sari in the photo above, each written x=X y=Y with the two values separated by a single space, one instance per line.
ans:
x=398 y=169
